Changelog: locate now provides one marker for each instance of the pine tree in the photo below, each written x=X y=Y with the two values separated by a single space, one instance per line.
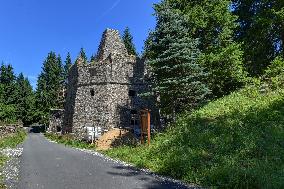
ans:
x=82 y=56
x=213 y=23
x=177 y=76
x=128 y=42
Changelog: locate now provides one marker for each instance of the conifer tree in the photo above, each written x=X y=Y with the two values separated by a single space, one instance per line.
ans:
x=8 y=106
x=93 y=58
x=67 y=66
x=8 y=80
x=49 y=85
x=128 y=42
x=25 y=100
x=213 y=23
x=82 y=56
x=177 y=76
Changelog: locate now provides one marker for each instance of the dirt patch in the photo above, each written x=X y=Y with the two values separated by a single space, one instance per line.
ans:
x=114 y=138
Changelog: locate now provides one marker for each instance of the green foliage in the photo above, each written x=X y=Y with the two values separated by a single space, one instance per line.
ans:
x=274 y=74
x=177 y=76
x=8 y=113
x=276 y=68
x=128 y=42
x=67 y=66
x=234 y=142
x=49 y=85
x=7 y=80
x=82 y=57
x=213 y=24
x=261 y=32
x=25 y=100
x=13 y=140
x=16 y=97
x=69 y=140
x=93 y=58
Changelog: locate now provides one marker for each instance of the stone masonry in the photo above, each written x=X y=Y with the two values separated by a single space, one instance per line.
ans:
x=105 y=92
x=55 y=120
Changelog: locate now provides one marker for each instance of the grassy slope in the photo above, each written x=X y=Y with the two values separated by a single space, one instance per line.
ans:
x=234 y=142
x=10 y=141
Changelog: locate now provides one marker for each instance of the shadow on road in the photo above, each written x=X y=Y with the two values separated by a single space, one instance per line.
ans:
x=152 y=181
x=37 y=129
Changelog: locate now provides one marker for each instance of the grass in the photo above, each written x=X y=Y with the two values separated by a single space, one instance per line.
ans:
x=234 y=142
x=69 y=140
x=13 y=140
x=10 y=141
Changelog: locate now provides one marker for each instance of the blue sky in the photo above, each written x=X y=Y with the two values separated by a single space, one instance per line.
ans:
x=32 y=28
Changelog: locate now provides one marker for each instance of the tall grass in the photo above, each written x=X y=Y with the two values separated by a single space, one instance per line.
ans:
x=234 y=142
x=13 y=140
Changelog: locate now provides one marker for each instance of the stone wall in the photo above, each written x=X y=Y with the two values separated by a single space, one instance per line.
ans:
x=98 y=92
x=55 y=120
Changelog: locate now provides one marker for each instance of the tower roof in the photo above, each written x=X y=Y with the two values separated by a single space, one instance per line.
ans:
x=111 y=43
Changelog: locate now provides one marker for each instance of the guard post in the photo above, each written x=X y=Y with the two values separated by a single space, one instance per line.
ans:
x=145 y=125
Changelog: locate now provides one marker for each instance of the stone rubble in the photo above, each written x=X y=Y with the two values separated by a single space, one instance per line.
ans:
x=10 y=172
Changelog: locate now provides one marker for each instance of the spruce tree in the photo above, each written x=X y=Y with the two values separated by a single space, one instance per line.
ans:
x=67 y=66
x=93 y=58
x=25 y=100
x=8 y=94
x=49 y=85
x=213 y=23
x=82 y=56
x=8 y=80
x=128 y=42
x=177 y=76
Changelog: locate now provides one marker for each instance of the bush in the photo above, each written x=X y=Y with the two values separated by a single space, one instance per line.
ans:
x=275 y=73
x=234 y=142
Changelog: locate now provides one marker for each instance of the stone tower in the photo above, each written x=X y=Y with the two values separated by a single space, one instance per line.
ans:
x=104 y=92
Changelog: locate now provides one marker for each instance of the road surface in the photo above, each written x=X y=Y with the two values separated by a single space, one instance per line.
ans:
x=53 y=166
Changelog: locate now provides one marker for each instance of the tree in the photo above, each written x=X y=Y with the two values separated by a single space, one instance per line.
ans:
x=261 y=25
x=213 y=23
x=25 y=100
x=93 y=58
x=82 y=56
x=67 y=66
x=49 y=85
x=177 y=76
x=8 y=95
x=128 y=42
x=8 y=80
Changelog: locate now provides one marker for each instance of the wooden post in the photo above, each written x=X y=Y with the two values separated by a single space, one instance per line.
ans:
x=145 y=125
x=149 y=127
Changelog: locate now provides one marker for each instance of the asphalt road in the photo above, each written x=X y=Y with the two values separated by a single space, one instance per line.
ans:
x=53 y=166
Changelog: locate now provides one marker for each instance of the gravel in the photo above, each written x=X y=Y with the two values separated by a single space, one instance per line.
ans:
x=10 y=171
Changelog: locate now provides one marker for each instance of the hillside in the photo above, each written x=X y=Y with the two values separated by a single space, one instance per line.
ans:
x=234 y=142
